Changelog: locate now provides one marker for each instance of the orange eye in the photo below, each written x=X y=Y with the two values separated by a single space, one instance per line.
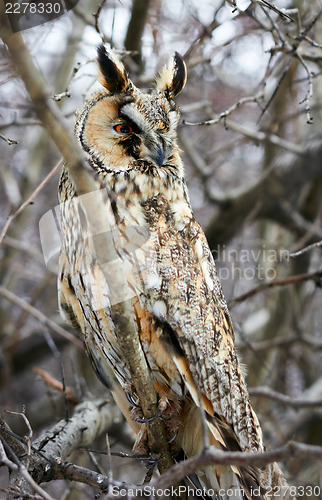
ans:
x=123 y=128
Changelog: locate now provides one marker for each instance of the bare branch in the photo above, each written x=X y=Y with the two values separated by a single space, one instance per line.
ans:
x=215 y=457
x=59 y=97
x=273 y=7
x=309 y=93
x=228 y=111
x=285 y=177
x=133 y=39
x=8 y=141
x=57 y=385
x=279 y=83
x=291 y=280
x=90 y=420
x=306 y=249
x=96 y=18
x=257 y=136
x=283 y=342
x=20 y=123
x=265 y=392
x=206 y=32
x=41 y=317
x=33 y=195
x=16 y=466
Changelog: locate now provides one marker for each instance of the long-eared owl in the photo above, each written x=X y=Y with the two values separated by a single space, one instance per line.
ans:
x=181 y=317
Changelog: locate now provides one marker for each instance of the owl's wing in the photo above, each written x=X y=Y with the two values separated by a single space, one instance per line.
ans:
x=101 y=346
x=198 y=321
x=197 y=334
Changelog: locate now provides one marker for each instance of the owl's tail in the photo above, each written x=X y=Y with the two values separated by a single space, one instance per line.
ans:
x=224 y=482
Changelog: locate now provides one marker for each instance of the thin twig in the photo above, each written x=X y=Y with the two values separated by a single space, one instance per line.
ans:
x=313 y=43
x=29 y=200
x=274 y=26
x=282 y=342
x=258 y=136
x=228 y=111
x=283 y=75
x=273 y=7
x=8 y=141
x=205 y=33
x=16 y=466
x=306 y=249
x=96 y=18
x=303 y=33
x=59 y=97
x=57 y=385
x=309 y=93
x=215 y=457
x=109 y=459
x=28 y=438
x=291 y=280
x=282 y=398
x=190 y=465
x=19 y=123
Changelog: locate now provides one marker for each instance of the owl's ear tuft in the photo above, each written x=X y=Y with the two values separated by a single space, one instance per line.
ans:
x=172 y=78
x=113 y=75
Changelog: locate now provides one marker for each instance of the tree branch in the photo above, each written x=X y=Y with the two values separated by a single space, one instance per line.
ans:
x=290 y=280
x=29 y=200
x=133 y=39
x=284 y=179
x=265 y=392
x=41 y=317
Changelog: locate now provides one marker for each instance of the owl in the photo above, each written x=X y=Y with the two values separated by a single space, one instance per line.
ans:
x=180 y=315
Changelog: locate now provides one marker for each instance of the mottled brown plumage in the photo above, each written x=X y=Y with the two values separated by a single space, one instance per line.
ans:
x=185 y=329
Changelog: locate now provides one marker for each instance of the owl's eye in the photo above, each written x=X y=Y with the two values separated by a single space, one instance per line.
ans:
x=123 y=128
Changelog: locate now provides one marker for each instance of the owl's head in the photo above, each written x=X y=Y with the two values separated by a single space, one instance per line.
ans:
x=121 y=126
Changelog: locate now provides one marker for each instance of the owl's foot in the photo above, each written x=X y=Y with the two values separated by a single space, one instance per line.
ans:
x=137 y=415
x=136 y=411
x=130 y=399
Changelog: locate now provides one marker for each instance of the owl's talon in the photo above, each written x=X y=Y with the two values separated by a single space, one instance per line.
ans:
x=147 y=420
x=131 y=400
x=150 y=463
x=174 y=436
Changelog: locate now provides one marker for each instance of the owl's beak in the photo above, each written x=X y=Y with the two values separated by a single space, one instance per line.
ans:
x=157 y=154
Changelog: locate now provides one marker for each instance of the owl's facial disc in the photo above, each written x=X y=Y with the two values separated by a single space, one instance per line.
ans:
x=155 y=131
